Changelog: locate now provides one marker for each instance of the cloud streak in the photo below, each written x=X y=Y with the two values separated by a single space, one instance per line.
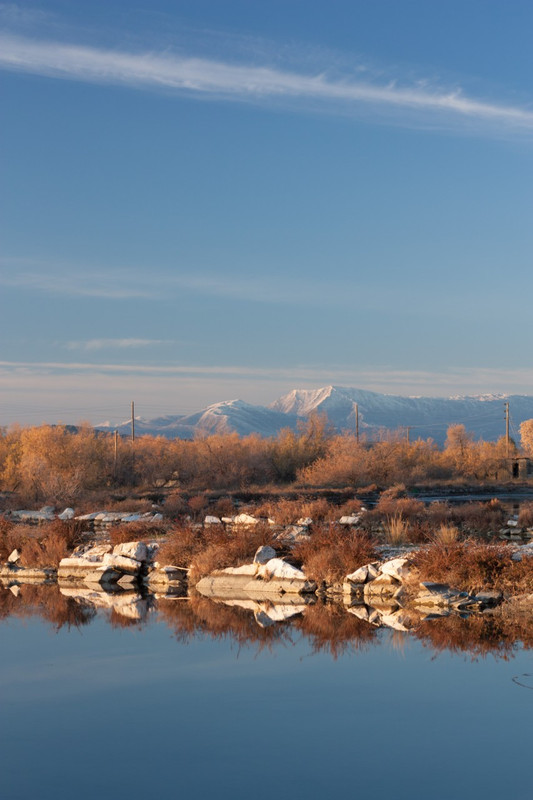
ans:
x=33 y=391
x=210 y=78
x=108 y=344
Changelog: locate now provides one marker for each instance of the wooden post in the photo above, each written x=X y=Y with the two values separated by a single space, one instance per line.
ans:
x=507 y=442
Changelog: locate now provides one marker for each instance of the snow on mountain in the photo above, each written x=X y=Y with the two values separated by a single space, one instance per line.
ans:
x=225 y=417
x=236 y=415
x=427 y=417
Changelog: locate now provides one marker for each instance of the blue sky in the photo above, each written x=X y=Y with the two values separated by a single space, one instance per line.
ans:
x=208 y=200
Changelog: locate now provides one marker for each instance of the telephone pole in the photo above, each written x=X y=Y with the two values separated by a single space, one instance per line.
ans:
x=115 y=460
x=506 y=406
x=132 y=421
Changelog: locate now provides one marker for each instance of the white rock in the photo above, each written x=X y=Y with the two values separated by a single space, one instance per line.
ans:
x=366 y=573
x=135 y=550
x=152 y=550
x=359 y=576
x=264 y=554
x=157 y=516
x=211 y=520
x=352 y=520
x=91 y=553
x=278 y=568
x=245 y=519
x=305 y=521
x=525 y=550
x=68 y=513
x=121 y=563
x=396 y=568
x=15 y=589
x=13 y=557
x=246 y=569
x=512 y=523
x=228 y=520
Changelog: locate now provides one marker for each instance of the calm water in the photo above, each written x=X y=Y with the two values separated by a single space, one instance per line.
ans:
x=211 y=705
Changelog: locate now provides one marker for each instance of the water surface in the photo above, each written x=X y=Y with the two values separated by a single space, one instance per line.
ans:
x=202 y=702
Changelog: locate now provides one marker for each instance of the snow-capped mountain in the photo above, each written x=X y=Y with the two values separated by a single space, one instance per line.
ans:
x=426 y=417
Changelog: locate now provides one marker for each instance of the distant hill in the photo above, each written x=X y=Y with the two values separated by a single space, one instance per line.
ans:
x=427 y=417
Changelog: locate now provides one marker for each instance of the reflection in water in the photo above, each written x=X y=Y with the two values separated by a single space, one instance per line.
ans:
x=329 y=627
x=47 y=602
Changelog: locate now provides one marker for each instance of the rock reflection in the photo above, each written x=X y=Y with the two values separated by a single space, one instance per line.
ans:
x=330 y=627
x=46 y=602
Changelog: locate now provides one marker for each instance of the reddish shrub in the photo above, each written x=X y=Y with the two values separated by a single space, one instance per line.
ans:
x=330 y=553
x=473 y=566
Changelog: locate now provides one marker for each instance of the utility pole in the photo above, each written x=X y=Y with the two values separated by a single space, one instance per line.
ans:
x=115 y=460
x=506 y=406
x=132 y=421
x=357 y=423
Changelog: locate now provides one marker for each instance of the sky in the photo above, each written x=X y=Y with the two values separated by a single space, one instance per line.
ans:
x=205 y=200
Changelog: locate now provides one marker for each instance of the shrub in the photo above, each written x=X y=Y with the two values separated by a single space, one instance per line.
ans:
x=230 y=549
x=446 y=534
x=472 y=566
x=137 y=531
x=181 y=545
x=175 y=505
x=479 y=517
x=396 y=529
x=330 y=554
x=525 y=517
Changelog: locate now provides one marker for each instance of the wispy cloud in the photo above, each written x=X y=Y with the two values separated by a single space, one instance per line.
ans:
x=48 y=391
x=211 y=78
x=91 y=283
x=384 y=378
x=259 y=286
x=109 y=344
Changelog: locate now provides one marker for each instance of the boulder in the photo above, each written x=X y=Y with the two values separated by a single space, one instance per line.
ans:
x=246 y=569
x=91 y=553
x=136 y=550
x=245 y=519
x=68 y=513
x=278 y=568
x=439 y=594
x=13 y=557
x=525 y=550
x=366 y=573
x=293 y=534
x=397 y=568
x=211 y=520
x=264 y=554
x=383 y=585
x=350 y=520
x=305 y=521
x=121 y=563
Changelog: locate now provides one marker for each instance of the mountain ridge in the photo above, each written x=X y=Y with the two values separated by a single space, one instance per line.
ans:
x=425 y=417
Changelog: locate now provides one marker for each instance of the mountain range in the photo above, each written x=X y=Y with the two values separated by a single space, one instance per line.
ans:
x=425 y=417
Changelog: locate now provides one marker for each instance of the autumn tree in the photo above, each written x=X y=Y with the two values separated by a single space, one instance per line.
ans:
x=526 y=436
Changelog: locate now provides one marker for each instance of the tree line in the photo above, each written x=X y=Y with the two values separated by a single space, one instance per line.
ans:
x=58 y=464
